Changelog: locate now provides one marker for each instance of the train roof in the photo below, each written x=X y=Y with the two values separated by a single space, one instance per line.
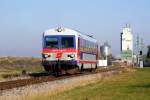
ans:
x=67 y=31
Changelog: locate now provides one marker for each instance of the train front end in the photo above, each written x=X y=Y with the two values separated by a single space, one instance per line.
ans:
x=59 y=50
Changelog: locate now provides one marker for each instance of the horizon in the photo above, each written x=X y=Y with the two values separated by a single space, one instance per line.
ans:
x=22 y=22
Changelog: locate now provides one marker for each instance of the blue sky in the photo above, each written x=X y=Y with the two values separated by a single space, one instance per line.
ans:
x=23 y=21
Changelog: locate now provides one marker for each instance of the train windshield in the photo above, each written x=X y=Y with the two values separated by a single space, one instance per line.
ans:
x=51 y=42
x=67 y=42
x=60 y=41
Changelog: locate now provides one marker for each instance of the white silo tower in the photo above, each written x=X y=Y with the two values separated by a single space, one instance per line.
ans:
x=127 y=44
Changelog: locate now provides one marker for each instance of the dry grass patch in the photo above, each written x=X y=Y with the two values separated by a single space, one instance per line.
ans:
x=14 y=66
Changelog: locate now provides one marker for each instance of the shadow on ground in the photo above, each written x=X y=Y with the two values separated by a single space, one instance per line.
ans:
x=141 y=86
x=39 y=74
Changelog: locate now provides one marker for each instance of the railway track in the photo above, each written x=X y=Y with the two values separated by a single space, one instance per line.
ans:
x=40 y=79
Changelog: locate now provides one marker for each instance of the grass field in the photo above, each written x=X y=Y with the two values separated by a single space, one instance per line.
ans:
x=133 y=85
x=13 y=66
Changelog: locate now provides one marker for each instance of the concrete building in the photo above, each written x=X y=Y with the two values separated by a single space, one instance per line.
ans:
x=127 y=44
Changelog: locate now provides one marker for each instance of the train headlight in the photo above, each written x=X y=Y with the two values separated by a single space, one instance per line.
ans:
x=71 y=55
x=59 y=29
x=46 y=55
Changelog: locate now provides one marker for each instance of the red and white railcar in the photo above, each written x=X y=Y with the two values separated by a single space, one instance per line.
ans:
x=66 y=49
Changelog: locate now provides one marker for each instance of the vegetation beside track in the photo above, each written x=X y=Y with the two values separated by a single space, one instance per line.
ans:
x=15 y=66
x=132 y=85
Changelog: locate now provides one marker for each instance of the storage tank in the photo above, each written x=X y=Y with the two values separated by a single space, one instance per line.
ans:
x=105 y=50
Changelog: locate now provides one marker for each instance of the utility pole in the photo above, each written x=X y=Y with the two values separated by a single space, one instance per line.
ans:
x=137 y=50
x=140 y=49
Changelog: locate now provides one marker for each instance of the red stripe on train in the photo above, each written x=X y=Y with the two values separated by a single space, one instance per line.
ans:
x=87 y=61
x=47 y=50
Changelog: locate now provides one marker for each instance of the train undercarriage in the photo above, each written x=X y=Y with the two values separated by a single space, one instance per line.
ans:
x=58 y=68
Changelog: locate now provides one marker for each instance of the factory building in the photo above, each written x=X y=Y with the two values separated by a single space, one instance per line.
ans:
x=127 y=44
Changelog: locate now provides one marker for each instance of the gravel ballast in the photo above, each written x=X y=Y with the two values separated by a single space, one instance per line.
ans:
x=23 y=93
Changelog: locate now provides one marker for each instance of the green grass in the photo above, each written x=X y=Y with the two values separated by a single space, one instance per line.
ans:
x=127 y=86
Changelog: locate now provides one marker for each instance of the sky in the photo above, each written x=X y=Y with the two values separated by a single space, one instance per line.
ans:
x=23 y=21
